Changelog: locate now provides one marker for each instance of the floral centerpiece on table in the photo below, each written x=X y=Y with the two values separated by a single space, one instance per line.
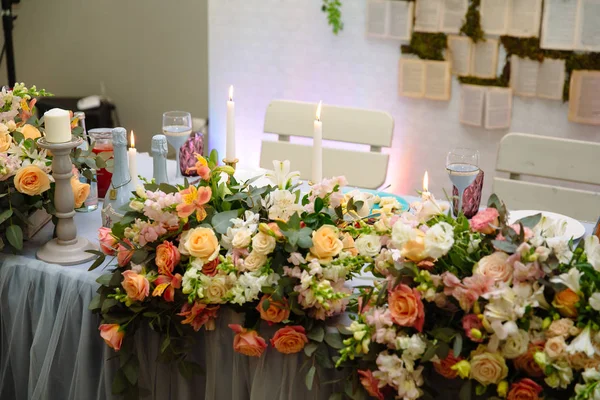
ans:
x=26 y=183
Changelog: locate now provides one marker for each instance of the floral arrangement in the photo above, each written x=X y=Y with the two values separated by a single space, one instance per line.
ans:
x=26 y=183
x=489 y=309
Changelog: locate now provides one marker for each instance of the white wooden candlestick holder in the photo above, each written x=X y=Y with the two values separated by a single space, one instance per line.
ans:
x=67 y=248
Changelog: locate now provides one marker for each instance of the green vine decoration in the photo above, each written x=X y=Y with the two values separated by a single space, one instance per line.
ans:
x=334 y=14
x=472 y=25
x=427 y=46
x=503 y=80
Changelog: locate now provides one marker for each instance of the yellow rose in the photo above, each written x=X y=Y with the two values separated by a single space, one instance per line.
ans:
x=5 y=141
x=326 y=243
x=488 y=368
x=201 y=243
x=31 y=180
x=30 y=132
x=81 y=191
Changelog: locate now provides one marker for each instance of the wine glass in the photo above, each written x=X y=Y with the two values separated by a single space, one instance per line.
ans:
x=177 y=127
x=462 y=165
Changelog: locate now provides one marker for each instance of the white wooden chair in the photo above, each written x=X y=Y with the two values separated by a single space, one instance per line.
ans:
x=366 y=169
x=554 y=158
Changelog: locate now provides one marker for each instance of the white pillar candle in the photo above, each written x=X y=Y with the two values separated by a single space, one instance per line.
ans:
x=132 y=156
x=317 y=156
x=425 y=195
x=230 y=150
x=57 y=125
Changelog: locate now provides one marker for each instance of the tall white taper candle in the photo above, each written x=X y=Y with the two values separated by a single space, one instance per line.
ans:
x=230 y=149
x=317 y=156
x=132 y=157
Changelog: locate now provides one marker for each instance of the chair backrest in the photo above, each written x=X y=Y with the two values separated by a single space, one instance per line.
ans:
x=554 y=158
x=367 y=169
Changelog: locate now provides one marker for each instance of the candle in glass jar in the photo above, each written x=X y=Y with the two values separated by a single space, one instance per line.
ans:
x=230 y=149
x=57 y=125
x=317 y=156
x=132 y=156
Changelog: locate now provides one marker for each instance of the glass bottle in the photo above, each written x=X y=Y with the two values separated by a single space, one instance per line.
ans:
x=91 y=203
x=159 y=158
x=102 y=145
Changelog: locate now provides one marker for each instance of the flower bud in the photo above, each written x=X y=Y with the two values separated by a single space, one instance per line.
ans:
x=476 y=333
x=541 y=359
x=546 y=323
x=502 y=388
x=463 y=368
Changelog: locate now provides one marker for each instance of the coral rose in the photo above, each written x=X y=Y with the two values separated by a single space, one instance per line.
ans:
x=276 y=312
x=444 y=367
x=248 y=342
x=124 y=253
x=31 y=180
x=406 y=307
x=5 y=141
x=525 y=389
x=108 y=243
x=201 y=243
x=495 y=266
x=565 y=301
x=485 y=221
x=527 y=364
x=136 y=286
x=167 y=257
x=30 y=132
x=210 y=268
x=370 y=383
x=488 y=368
x=81 y=191
x=326 y=243
x=289 y=340
x=112 y=335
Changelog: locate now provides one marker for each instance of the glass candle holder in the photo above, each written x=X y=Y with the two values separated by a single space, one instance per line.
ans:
x=471 y=197
x=102 y=142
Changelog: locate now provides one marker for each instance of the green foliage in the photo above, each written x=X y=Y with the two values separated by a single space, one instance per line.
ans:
x=427 y=46
x=472 y=25
x=334 y=14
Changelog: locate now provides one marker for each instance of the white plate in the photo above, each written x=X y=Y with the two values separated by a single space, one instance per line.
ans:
x=574 y=228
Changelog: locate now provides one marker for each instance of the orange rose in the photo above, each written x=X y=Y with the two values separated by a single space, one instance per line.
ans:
x=210 y=268
x=108 y=243
x=349 y=245
x=248 y=342
x=167 y=257
x=406 y=307
x=112 y=335
x=32 y=180
x=326 y=243
x=124 y=254
x=290 y=340
x=444 y=367
x=5 y=141
x=565 y=301
x=81 y=191
x=136 y=286
x=527 y=364
x=525 y=389
x=370 y=383
x=30 y=132
x=276 y=312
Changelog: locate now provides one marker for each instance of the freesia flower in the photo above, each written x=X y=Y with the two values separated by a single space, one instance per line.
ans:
x=194 y=199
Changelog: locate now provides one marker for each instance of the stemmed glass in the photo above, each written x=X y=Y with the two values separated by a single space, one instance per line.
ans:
x=177 y=127
x=462 y=165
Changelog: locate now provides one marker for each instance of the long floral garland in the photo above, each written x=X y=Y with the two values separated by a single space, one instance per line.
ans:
x=477 y=301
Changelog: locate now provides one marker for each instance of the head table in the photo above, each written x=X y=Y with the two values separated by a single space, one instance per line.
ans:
x=51 y=348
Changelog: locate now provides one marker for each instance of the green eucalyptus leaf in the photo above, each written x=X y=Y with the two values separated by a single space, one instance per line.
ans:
x=310 y=348
x=316 y=334
x=458 y=344
x=14 y=235
x=530 y=221
x=310 y=376
x=505 y=246
x=222 y=220
x=6 y=214
x=334 y=340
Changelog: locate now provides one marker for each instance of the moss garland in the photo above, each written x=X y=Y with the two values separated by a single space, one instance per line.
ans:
x=472 y=25
x=427 y=46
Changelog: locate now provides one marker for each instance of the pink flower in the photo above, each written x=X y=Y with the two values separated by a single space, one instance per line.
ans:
x=136 y=286
x=124 y=254
x=112 y=335
x=470 y=322
x=485 y=221
x=469 y=290
x=150 y=233
x=480 y=284
x=107 y=241
x=379 y=318
x=247 y=341
x=370 y=383
x=166 y=285
x=199 y=315
x=527 y=272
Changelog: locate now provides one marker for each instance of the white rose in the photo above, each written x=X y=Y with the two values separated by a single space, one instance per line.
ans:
x=495 y=266
x=595 y=301
x=216 y=290
x=241 y=239
x=263 y=243
x=368 y=245
x=136 y=205
x=516 y=345
x=439 y=240
x=402 y=234
x=254 y=261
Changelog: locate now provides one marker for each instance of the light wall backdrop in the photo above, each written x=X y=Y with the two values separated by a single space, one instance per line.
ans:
x=150 y=54
x=284 y=49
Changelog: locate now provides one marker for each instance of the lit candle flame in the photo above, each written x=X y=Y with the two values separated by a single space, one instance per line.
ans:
x=319 y=111
x=426 y=182
x=131 y=140
x=231 y=93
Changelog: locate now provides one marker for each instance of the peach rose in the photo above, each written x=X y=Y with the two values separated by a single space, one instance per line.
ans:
x=30 y=132
x=349 y=245
x=136 y=286
x=525 y=389
x=289 y=340
x=555 y=347
x=276 y=312
x=31 y=180
x=254 y=261
x=370 y=383
x=565 y=301
x=560 y=327
x=248 y=341
x=124 y=254
x=326 y=243
x=527 y=364
x=108 y=243
x=488 y=368
x=485 y=220
x=167 y=257
x=444 y=367
x=81 y=191
x=5 y=141
x=263 y=243
x=201 y=243
x=495 y=266
x=406 y=307
x=414 y=249
x=112 y=335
